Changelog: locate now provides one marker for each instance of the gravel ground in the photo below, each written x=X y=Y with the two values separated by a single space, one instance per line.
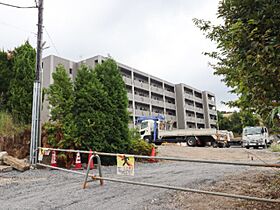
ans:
x=52 y=189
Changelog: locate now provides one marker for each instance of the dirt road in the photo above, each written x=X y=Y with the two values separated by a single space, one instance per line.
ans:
x=45 y=189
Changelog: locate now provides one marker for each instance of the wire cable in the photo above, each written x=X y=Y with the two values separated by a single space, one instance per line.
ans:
x=18 y=7
x=51 y=41
x=17 y=28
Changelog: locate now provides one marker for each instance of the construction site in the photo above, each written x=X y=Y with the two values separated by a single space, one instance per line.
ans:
x=79 y=132
x=155 y=184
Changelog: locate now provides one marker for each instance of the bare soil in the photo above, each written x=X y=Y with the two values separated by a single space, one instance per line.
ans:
x=53 y=189
x=223 y=154
x=256 y=182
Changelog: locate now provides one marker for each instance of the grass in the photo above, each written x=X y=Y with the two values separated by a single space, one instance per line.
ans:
x=275 y=147
x=7 y=127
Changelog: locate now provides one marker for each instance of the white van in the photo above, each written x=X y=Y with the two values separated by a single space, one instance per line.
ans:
x=254 y=137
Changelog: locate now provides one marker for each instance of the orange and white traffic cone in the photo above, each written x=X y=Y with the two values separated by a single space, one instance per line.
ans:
x=53 y=160
x=91 y=164
x=153 y=154
x=78 y=164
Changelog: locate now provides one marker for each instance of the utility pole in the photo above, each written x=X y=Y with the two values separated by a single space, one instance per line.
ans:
x=37 y=92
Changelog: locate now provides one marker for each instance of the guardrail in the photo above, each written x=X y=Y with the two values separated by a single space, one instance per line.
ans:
x=101 y=178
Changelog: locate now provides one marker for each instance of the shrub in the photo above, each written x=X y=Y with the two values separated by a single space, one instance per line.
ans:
x=138 y=146
x=7 y=126
x=275 y=147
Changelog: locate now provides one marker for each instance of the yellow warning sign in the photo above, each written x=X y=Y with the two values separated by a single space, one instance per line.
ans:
x=41 y=154
x=125 y=164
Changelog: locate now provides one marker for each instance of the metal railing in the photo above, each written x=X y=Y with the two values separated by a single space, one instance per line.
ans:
x=101 y=178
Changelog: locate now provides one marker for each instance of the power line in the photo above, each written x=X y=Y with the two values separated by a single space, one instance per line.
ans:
x=51 y=41
x=18 y=7
x=16 y=27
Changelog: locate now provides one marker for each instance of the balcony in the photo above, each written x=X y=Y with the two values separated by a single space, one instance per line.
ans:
x=157 y=113
x=170 y=117
x=212 y=102
x=197 y=99
x=212 y=111
x=170 y=105
x=188 y=96
x=189 y=107
x=157 y=90
x=199 y=120
x=141 y=113
x=190 y=119
x=130 y=110
x=157 y=103
x=214 y=122
x=141 y=85
x=142 y=99
x=170 y=94
x=127 y=80
x=130 y=96
x=198 y=109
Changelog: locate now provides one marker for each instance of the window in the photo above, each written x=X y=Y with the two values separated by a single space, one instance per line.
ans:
x=70 y=71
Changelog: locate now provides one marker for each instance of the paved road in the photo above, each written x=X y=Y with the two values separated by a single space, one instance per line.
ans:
x=52 y=189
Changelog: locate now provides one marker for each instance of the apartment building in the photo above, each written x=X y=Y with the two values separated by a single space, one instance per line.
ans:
x=182 y=105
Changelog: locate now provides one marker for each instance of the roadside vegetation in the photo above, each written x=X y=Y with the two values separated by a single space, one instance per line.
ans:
x=248 y=54
x=237 y=121
x=275 y=147
x=17 y=73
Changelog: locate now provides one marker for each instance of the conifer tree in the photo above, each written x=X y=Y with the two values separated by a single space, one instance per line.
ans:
x=109 y=76
x=20 y=92
x=90 y=111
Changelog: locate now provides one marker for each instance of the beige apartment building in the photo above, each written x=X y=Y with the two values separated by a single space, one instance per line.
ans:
x=180 y=104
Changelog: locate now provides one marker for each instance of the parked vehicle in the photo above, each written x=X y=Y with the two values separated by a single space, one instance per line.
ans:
x=255 y=137
x=156 y=130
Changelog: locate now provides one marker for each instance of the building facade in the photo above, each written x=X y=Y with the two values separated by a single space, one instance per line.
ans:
x=182 y=105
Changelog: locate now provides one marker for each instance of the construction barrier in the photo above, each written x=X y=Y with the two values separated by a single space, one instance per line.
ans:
x=101 y=178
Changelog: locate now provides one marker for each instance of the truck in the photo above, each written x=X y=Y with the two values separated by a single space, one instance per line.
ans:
x=154 y=129
x=255 y=137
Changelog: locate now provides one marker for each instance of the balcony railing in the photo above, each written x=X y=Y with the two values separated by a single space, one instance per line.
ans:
x=130 y=96
x=156 y=89
x=189 y=107
x=142 y=113
x=157 y=102
x=188 y=96
x=127 y=80
x=170 y=105
x=139 y=98
x=170 y=94
x=141 y=84
x=170 y=117
x=212 y=111
x=190 y=119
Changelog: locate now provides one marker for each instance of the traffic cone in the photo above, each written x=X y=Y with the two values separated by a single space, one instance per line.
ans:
x=53 y=160
x=153 y=154
x=91 y=165
x=78 y=164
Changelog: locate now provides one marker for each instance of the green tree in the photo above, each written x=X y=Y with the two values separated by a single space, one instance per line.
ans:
x=60 y=94
x=237 y=121
x=20 y=91
x=90 y=109
x=61 y=129
x=5 y=78
x=248 y=52
x=109 y=76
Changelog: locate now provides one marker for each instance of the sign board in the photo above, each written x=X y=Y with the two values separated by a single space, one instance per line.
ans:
x=41 y=154
x=125 y=164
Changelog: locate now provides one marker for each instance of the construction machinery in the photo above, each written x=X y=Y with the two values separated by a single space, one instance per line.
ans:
x=154 y=129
